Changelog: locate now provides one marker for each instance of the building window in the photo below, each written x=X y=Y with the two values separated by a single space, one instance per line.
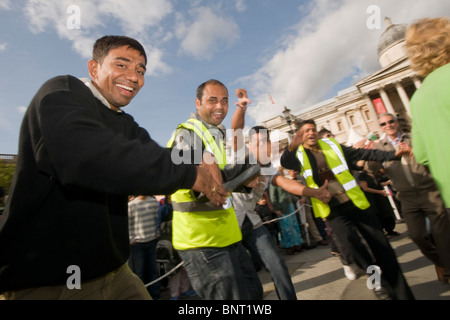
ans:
x=339 y=125
x=352 y=120
x=367 y=112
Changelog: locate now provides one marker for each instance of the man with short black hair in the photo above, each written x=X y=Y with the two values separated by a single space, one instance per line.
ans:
x=207 y=234
x=255 y=236
x=327 y=160
x=80 y=157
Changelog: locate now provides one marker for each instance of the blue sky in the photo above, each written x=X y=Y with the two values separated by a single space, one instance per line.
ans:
x=299 y=52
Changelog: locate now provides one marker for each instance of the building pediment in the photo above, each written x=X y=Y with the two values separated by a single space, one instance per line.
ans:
x=394 y=72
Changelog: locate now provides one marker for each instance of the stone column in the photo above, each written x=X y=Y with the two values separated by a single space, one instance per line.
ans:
x=346 y=123
x=369 y=103
x=387 y=101
x=372 y=110
x=405 y=100
x=361 y=115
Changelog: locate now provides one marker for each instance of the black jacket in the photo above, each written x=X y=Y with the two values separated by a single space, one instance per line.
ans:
x=289 y=159
x=78 y=161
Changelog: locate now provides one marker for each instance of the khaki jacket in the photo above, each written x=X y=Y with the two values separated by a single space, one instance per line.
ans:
x=420 y=175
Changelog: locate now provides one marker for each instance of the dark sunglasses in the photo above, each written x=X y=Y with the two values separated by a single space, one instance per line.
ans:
x=384 y=123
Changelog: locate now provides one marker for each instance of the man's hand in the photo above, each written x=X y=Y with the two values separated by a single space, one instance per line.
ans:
x=364 y=143
x=297 y=140
x=322 y=193
x=243 y=99
x=209 y=180
x=238 y=120
x=256 y=183
x=386 y=183
x=206 y=184
x=360 y=144
x=404 y=149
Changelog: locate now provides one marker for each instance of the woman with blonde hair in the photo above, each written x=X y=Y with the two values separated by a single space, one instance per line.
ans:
x=428 y=44
x=428 y=47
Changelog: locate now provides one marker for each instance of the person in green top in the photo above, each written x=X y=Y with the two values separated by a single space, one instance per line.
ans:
x=428 y=47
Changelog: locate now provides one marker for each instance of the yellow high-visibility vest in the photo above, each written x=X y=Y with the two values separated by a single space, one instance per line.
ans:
x=336 y=162
x=199 y=224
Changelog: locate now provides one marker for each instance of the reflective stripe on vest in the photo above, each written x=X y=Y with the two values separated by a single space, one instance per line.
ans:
x=199 y=207
x=335 y=159
x=201 y=224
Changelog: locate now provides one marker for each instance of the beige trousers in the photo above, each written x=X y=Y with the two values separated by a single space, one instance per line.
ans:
x=120 y=284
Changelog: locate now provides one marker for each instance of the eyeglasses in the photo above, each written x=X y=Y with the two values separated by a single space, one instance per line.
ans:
x=384 y=123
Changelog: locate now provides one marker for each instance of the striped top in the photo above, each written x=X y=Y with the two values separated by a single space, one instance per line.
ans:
x=142 y=215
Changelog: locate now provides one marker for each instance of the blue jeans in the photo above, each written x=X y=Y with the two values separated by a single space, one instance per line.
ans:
x=260 y=243
x=143 y=263
x=222 y=273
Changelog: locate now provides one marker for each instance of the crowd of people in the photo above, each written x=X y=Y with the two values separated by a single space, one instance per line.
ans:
x=87 y=175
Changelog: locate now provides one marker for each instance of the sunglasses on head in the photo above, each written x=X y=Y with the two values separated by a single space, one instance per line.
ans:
x=384 y=123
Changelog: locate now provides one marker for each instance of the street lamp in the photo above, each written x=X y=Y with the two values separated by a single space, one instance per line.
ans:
x=288 y=117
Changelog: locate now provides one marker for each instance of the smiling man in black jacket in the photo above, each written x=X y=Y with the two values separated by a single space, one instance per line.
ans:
x=64 y=234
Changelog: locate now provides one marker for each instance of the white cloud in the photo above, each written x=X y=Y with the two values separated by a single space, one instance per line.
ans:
x=21 y=109
x=202 y=33
x=332 y=43
x=52 y=15
x=207 y=34
x=139 y=20
x=137 y=16
x=3 y=46
x=5 y=4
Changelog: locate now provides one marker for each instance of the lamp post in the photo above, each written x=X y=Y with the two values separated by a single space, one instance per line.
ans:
x=288 y=117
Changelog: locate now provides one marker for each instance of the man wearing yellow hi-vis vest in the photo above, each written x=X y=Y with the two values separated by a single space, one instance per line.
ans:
x=207 y=235
x=348 y=210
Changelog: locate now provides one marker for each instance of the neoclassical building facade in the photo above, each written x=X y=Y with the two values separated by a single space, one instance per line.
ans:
x=352 y=114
